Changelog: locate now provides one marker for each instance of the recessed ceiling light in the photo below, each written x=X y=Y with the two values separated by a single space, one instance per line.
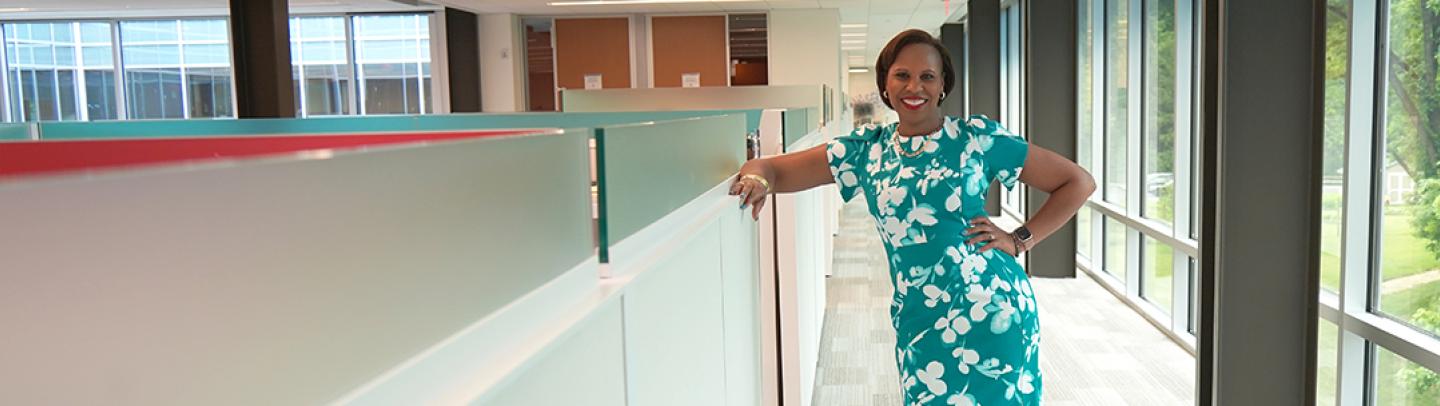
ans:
x=861 y=25
x=859 y=70
x=852 y=41
x=14 y=10
x=853 y=34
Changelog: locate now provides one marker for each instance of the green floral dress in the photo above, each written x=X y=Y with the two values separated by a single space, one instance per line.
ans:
x=966 y=325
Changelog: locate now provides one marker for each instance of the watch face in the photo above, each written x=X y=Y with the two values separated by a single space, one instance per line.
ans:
x=1023 y=233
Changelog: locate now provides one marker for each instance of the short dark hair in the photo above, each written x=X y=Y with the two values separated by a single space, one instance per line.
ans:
x=892 y=50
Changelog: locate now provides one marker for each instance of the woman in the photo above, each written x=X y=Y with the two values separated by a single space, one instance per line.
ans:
x=964 y=313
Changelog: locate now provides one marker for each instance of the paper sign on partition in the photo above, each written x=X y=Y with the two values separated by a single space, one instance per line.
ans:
x=690 y=79
x=594 y=81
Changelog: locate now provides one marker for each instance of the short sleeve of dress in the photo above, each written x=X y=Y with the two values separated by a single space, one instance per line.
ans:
x=1005 y=155
x=848 y=156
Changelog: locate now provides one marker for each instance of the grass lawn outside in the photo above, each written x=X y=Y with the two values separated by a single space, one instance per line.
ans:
x=1327 y=353
x=1159 y=269
x=1402 y=304
x=1401 y=253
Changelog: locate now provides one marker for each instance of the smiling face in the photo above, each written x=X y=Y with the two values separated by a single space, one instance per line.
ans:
x=914 y=84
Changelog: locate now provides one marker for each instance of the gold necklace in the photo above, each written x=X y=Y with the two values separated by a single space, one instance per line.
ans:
x=901 y=150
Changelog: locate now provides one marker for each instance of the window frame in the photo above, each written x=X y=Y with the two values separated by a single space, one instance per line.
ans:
x=1178 y=321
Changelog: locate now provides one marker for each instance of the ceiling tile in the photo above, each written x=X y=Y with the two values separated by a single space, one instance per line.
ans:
x=894 y=6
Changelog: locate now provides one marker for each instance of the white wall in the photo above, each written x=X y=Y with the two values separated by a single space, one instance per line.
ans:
x=502 y=71
x=805 y=50
x=862 y=83
x=705 y=98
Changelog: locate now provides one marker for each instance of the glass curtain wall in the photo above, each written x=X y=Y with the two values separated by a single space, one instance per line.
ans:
x=322 y=67
x=363 y=64
x=176 y=69
x=59 y=71
x=1380 y=217
x=392 y=56
x=1134 y=134
x=1085 y=116
x=181 y=68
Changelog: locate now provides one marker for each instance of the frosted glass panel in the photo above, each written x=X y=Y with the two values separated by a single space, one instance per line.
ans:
x=326 y=125
x=797 y=125
x=14 y=131
x=740 y=272
x=589 y=365
x=292 y=292
x=648 y=170
x=674 y=328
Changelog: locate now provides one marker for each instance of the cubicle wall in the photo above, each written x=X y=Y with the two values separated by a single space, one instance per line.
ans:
x=795 y=245
x=348 y=125
x=290 y=279
x=686 y=256
x=14 y=132
x=441 y=271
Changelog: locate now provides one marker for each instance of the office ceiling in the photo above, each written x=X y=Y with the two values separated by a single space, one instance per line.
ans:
x=866 y=24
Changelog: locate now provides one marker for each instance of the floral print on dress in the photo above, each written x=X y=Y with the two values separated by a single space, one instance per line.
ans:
x=966 y=324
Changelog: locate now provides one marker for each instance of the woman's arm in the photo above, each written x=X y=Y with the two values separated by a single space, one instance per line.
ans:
x=1069 y=186
x=786 y=173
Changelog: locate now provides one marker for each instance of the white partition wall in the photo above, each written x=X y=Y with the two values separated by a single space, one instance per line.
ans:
x=704 y=98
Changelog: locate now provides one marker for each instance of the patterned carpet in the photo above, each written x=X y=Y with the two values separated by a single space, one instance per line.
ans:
x=1095 y=351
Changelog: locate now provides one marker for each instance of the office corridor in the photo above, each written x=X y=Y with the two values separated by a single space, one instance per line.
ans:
x=1096 y=351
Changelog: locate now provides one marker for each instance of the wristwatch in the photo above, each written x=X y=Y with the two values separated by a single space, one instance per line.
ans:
x=1022 y=238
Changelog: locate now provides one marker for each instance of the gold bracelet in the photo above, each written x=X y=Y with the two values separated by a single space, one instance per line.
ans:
x=763 y=183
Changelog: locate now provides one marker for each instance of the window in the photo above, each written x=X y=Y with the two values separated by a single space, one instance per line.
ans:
x=176 y=68
x=1115 y=254
x=1380 y=217
x=1012 y=93
x=1085 y=98
x=1337 y=61
x=1409 y=229
x=321 y=62
x=1327 y=357
x=1400 y=382
x=1159 y=111
x=60 y=71
x=392 y=54
x=1117 y=95
x=387 y=71
x=1138 y=229
x=1084 y=220
x=1158 y=282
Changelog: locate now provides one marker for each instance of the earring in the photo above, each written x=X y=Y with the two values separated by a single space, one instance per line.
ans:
x=885 y=94
x=942 y=96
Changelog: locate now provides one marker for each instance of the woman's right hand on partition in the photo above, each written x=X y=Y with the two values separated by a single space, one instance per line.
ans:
x=752 y=188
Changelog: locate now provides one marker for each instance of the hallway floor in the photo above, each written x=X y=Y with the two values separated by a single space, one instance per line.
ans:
x=1095 y=350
